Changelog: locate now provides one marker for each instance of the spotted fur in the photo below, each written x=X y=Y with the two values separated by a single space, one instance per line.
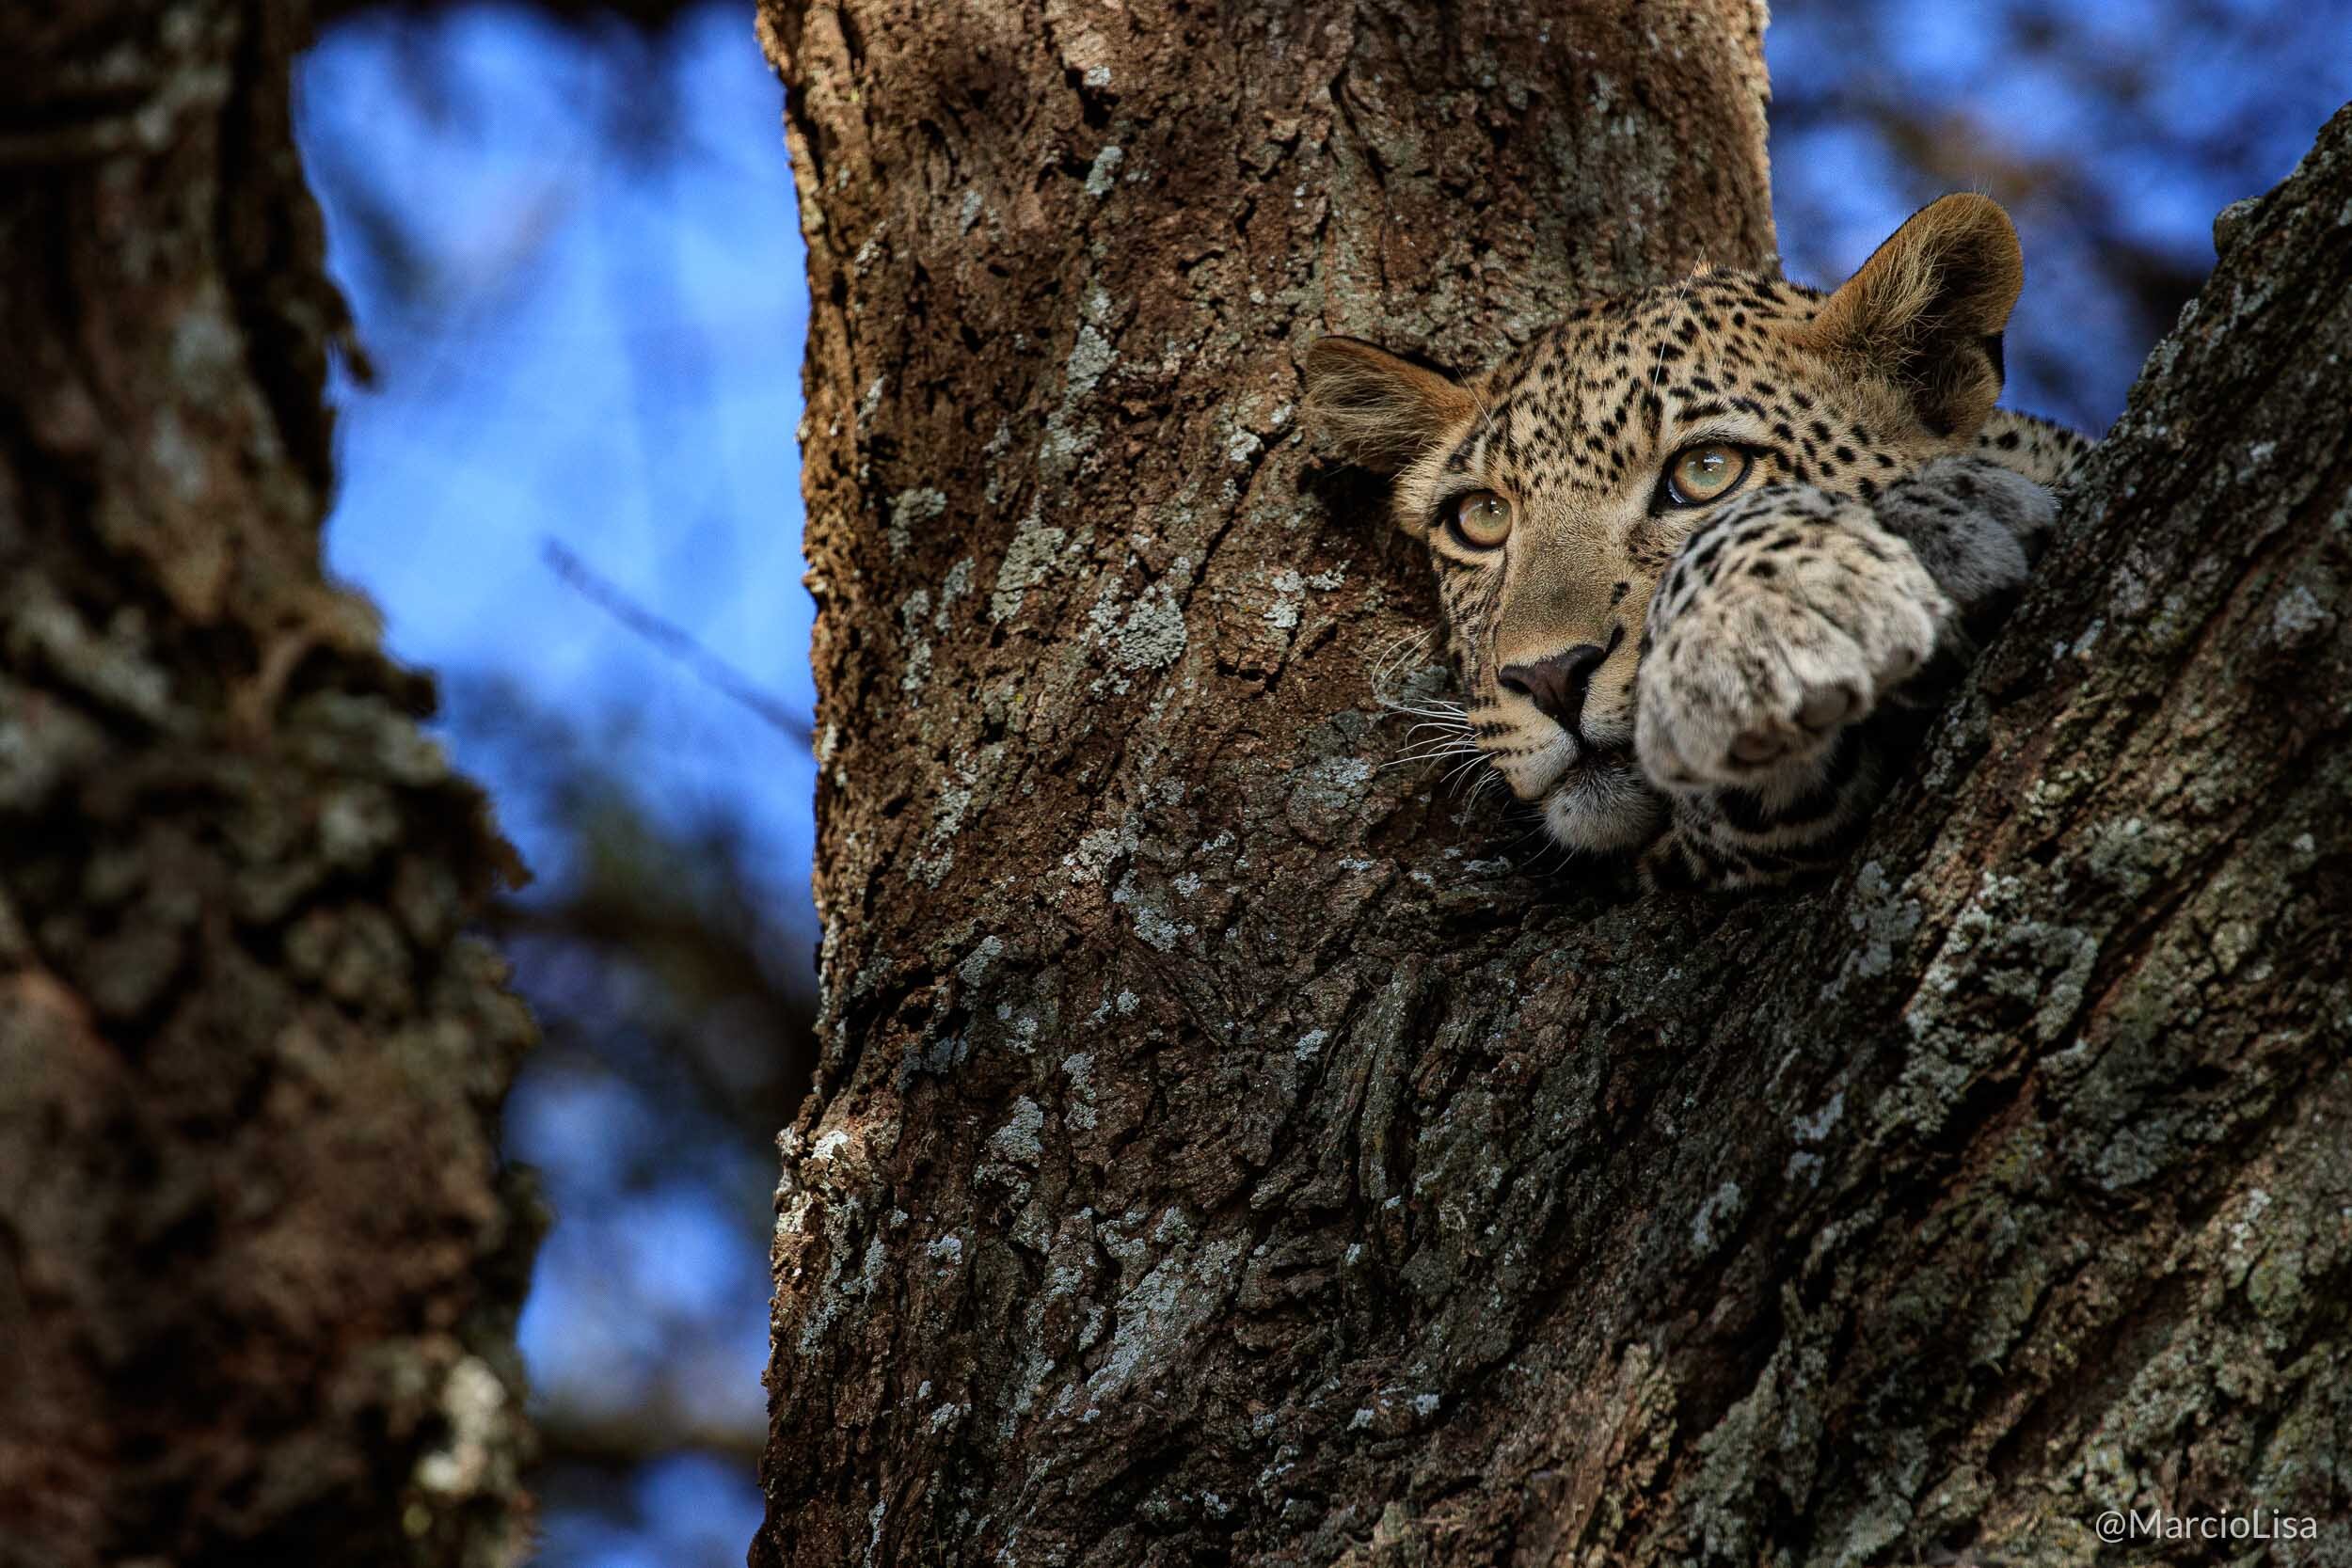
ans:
x=1721 y=688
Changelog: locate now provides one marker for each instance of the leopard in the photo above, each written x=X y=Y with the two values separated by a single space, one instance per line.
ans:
x=1709 y=554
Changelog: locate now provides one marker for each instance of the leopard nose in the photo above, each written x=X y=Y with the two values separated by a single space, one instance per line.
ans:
x=1556 y=685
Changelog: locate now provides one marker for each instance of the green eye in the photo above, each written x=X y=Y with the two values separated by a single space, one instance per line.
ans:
x=1704 y=473
x=1482 y=519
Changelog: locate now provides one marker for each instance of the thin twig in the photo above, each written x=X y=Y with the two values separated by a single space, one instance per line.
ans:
x=674 y=641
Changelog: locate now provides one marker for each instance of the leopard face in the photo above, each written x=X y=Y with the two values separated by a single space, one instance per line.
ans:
x=1554 y=490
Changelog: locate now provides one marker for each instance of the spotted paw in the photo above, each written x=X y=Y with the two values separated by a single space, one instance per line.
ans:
x=1787 y=617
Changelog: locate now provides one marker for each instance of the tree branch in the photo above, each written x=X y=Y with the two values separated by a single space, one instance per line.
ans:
x=673 y=640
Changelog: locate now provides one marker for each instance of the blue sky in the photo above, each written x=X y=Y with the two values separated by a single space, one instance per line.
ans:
x=597 y=349
x=591 y=336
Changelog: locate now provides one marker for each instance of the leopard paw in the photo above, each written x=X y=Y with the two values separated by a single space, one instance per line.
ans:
x=1787 y=617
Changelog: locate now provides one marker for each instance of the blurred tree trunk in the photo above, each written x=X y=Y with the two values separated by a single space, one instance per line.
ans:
x=1227 y=1149
x=258 y=1261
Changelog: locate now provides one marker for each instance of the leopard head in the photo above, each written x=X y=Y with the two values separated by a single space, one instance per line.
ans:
x=1553 y=489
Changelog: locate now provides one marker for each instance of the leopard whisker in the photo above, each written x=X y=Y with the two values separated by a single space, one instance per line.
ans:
x=1419 y=761
x=1444 y=726
x=1447 y=713
x=1424 y=758
x=1394 y=659
x=1478 y=401
x=1404 y=645
x=1467 y=768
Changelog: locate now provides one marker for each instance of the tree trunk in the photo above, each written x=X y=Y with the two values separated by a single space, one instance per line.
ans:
x=1225 y=1149
x=258 y=1262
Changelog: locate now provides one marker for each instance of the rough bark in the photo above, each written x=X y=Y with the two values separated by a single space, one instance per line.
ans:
x=258 y=1261
x=1227 y=1150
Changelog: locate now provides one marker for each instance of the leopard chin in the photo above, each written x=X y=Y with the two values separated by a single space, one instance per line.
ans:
x=1604 y=806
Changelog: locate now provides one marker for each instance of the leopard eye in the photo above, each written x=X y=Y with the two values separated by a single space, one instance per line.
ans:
x=1482 y=519
x=1707 y=473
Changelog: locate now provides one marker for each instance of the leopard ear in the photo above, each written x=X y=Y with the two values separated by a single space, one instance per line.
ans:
x=1375 y=409
x=1926 y=310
